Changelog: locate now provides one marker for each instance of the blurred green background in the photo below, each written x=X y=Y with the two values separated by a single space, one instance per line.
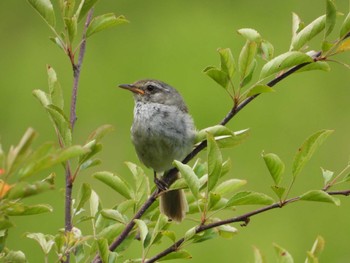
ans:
x=173 y=41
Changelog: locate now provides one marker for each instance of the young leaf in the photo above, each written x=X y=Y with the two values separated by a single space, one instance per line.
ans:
x=250 y=34
x=246 y=58
x=279 y=191
x=275 y=166
x=45 y=10
x=319 y=196
x=297 y=26
x=83 y=195
x=229 y=186
x=250 y=73
x=327 y=175
x=214 y=198
x=227 y=231
x=258 y=89
x=258 y=256
x=45 y=241
x=19 y=209
x=94 y=203
x=214 y=162
x=103 y=250
x=217 y=130
x=84 y=7
x=115 y=182
x=143 y=230
x=319 y=65
x=14 y=256
x=180 y=254
x=59 y=42
x=105 y=21
x=331 y=16
x=227 y=62
x=190 y=177
x=71 y=24
x=61 y=122
x=43 y=97
x=113 y=215
x=266 y=50
x=217 y=75
x=100 y=132
x=308 y=33
x=162 y=222
x=316 y=250
x=308 y=148
x=283 y=255
x=345 y=28
x=250 y=198
x=25 y=189
x=284 y=61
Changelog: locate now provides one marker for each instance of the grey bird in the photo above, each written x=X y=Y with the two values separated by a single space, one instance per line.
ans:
x=162 y=131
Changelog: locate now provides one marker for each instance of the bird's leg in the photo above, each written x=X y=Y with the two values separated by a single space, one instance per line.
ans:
x=160 y=183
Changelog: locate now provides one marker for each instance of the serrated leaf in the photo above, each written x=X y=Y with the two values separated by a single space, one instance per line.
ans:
x=181 y=254
x=246 y=58
x=258 y=89
x=143 y=230
x=250 y=34
x=284 y=61
x=331 y=16
x=103 y=250
x=283 y=255
x=45 y=10
x=227 y=62
x=103 y=22
x=19 y=209
x=217 y=75
x=327 y=175
x=249 y=198
x=319 y=196
x=345 y=27
x=214 y=157
x=61 y=122
x=45 y=241
x=308 y=33
x=275 y=166
x=190 y=177
x=115 y=182
x=83 y=195
x=307 y=150
x=229 y=186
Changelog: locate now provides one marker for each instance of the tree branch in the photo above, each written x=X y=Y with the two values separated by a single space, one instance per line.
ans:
x=171 y=177
x=243 y=218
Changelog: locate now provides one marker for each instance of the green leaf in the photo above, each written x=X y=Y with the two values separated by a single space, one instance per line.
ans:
x=217 y=130
x=246 y=58
x=297 y=26
x=319 y=196
x=100 y=132
x=214 y=162
x=113 y=215
x=279 y=191
x=103 y=250
x=84 y=7
x=284 y=61
x=258 y=256
x=143 y=230
x=14 y=256
x=94 y=203
x=45 y=10
x=5 y=223
x=275 y=166
x=227 y=62
x=61 y=122
x=51 y=159
x=162 y=222
x=19 y=209
x=250 y=34
x=83 y=195
x=103 y=22
x=250 y=73
x=227 y=231
x=316 y=250
x=18 y=153
x=67 y=7
x=233 y=140
x=327 y=175
x=59 y=42
x=258 y=89
x=181 y=254
x=283 y=255
x=345 y=27
x=229 y=186
x=217 y=75
x=190 y=177
x=214 y=198
x=308 y=33
x=71 y=24
x=307 y=149
x=42 y=96
x=266 y=50
x=169 y=234
x=56 y=95
x=45 y=241
x=250 y=198
x=142 y=186
x=115 y=182
x=318 y=65
x=331 y=16
x=205 y=235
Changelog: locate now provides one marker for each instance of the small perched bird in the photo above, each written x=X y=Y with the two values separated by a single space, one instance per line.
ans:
x=162 y=131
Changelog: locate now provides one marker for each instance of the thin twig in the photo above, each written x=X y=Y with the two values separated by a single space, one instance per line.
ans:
x=170 y=177
x=243 y=218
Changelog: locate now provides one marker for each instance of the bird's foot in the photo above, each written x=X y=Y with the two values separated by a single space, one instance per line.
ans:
x=161 y=184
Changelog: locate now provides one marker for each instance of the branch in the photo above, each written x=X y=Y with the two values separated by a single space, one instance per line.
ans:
x=170 y=177
x=243 y=218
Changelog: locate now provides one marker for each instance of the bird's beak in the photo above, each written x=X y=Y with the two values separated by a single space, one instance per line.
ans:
x=132 y=88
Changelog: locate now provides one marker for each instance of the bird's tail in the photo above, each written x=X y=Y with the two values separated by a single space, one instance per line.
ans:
x=173 y=204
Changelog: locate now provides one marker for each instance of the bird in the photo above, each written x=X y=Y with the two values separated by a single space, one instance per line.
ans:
x=162 y=131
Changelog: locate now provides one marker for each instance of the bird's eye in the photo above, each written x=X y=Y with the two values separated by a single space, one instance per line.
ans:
x=150 y=88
